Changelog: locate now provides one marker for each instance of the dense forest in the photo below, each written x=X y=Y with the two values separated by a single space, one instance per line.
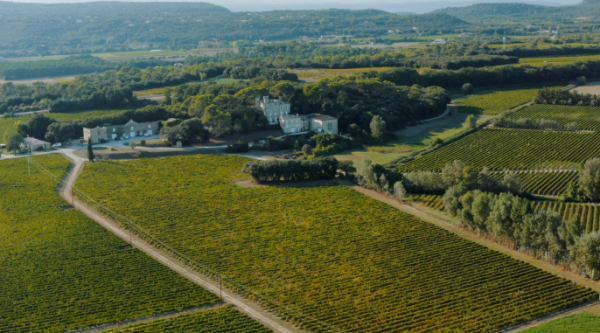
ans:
x=73 y=65
x=109 y=27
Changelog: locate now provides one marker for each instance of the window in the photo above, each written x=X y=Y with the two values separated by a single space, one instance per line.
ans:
x=329 y=126
x=132 y=128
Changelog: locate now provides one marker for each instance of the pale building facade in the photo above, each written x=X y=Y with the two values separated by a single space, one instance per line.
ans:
x=131 y=129
x=316 y=122
x=34 y=144
x=273 y=109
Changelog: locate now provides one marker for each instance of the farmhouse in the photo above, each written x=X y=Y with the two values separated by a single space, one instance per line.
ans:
x=32 y=144
x=131 y=129
x=316 y=122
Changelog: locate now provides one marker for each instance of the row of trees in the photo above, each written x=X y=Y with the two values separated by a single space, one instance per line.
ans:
x=587 y=187
x=540 y=124
x=291 y=170
x=557 y=96
x=511 y=219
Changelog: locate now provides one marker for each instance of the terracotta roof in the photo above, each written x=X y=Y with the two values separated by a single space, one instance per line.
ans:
x=34 y=141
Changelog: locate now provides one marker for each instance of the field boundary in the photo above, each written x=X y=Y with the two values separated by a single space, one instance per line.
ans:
x=147 y=319
x=250 y=308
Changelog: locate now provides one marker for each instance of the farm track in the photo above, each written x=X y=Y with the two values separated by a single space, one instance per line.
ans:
x=449 y=226
x=246 y=306
x=147 y=319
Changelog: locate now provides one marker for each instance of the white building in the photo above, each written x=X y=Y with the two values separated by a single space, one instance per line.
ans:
x=316 y=122
x=272 y=108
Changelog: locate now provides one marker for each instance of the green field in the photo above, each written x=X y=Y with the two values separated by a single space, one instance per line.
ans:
x=62 y=271
x=325 y=257
x=542 y=61
x=495 y=102
x=221 y=320
x=580 y=323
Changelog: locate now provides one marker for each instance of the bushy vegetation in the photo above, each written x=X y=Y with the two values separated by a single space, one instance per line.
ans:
x=61 y=271
x=290 y=170
x=539 y=124
x=566 y=97
x=226 y=319
x=298 y=239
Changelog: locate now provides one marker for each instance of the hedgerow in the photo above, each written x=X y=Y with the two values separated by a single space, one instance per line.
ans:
x=326 y=257
x=60 y=271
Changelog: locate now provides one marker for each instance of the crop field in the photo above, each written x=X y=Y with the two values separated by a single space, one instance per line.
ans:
x=544 y=61
x=589 y=214
x=579 y=323
x=540 y=45
x=588 y=117
x=222 y=320
x=61 y=271
x=495 y=102
x=320 y=73
x=545 y=182
x=513 y=149
x=325 y=256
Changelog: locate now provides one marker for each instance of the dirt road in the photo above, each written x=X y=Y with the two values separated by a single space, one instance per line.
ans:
x=253 y=310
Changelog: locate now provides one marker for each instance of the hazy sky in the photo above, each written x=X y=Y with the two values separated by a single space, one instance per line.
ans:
x=388 y=5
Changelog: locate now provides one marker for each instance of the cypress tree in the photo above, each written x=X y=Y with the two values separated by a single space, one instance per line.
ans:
x=90 y=151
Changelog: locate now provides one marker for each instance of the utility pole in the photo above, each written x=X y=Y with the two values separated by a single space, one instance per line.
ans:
x=221 y=286
x=28 y=165
x=504 y=42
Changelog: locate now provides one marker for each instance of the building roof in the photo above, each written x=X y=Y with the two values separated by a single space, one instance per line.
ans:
x=319 y=116
x=34 y=141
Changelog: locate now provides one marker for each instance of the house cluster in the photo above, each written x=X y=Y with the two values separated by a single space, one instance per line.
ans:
x=130 y=130
x=278 y=111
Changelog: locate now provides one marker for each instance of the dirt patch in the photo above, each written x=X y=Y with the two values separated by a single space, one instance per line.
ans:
x=250 y=183
x=591 y=88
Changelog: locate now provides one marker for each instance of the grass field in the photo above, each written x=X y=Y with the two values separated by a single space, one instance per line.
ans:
x=495 y=102
x=320 y=73
x=542 y=61
x=61 y=271
x=580 y=323
x=540 y=45
x=225 y=320
x=326 y=257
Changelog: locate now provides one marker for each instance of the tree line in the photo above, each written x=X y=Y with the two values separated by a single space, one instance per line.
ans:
x=556 y=96
x=289 y=170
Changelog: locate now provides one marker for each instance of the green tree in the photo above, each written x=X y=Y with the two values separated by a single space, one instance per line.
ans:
x=586 y=252
x=399 y=191
x=467 y=88
x=218 y=122
x=590 y=179
x=90 y=151
x=307 y=150
x=378 y=126
x=14 y=142
x=471 y=122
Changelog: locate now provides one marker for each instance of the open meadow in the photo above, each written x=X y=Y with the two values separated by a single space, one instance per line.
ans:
x=62 y=271
x=324 y=256
x=579 y=323
x=492 y=102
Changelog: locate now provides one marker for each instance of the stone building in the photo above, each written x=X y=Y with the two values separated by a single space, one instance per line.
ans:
x=34 y=144
x=316 y=122
x=272 y=108
x=131 y=129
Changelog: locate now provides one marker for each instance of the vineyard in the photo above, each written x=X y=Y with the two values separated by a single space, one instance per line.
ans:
x=589 y=214
x=62 y=271
x=587 y=117
x=326 y=258
x=519 y=149
x=221 y=320
x=544 y=183
x=495 y=102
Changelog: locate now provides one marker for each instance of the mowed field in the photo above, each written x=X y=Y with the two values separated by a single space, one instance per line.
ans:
x=580 y=323
x=61 y=271
x=515 y=149
x=325 y=257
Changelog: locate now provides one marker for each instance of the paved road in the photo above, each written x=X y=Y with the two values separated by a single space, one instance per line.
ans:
x=250 y=308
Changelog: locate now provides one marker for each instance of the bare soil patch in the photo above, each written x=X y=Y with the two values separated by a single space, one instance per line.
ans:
x=591 y=88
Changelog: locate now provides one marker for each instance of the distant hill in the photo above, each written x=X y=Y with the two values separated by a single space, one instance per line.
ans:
x=525 y=13
x=113 y=26
x=406 y=13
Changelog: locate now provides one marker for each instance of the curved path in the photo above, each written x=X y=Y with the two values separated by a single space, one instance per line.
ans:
x=246 y=306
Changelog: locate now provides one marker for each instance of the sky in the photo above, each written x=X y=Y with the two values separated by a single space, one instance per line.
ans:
x=412 y=6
